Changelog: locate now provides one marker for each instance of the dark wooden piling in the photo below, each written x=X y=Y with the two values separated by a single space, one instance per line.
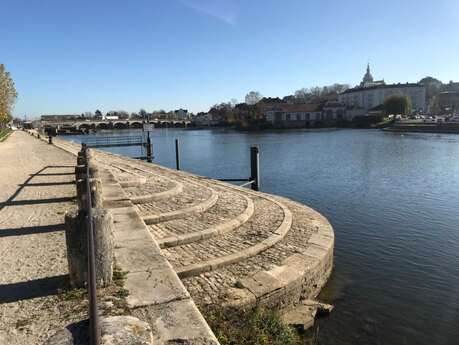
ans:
x=177 y=158
x=255 y=167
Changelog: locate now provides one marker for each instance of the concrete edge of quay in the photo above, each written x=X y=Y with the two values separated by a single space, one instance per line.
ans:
x=156 y=293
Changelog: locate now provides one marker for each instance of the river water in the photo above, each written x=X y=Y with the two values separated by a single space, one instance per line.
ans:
x=393 y=200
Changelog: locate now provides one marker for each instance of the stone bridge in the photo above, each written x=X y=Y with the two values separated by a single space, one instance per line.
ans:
x=111 y=124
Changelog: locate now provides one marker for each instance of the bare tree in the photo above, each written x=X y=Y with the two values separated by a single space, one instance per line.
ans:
x=143 y=113
x=253 y=97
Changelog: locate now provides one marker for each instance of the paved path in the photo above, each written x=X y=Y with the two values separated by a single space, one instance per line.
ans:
x=35 y=192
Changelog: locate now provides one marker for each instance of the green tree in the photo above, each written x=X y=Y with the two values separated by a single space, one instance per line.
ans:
x=397 y=105
x=8 y=96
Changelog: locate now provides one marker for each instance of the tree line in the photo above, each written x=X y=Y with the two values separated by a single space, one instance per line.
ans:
x=8 y=95
x=249 y=114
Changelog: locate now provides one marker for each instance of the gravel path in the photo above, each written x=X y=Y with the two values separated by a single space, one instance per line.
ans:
x=36 y=189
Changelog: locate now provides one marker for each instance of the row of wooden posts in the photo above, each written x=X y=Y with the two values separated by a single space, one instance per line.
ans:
x=89 y=237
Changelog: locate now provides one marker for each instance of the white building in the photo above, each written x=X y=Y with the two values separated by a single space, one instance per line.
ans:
x=373 y=93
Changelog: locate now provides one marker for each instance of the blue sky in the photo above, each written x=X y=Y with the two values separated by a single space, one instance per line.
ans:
x=75 y=56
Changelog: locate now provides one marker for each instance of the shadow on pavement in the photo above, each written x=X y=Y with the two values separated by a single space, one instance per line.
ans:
x=33 y=288
x=30 y=230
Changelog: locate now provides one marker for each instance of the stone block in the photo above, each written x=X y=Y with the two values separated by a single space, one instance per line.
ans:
x=126 y=233
x=153 y=287
x=261 y=283
x=321 y=241
x=315 y=252
x=301 y=262
x=238 y=299
x=125 y=330
x=138 y=257
x=177 y=322
x=301 y=317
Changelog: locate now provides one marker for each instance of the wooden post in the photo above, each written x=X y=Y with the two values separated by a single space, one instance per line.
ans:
x=255 y=167
x=76 y=237
x=81 y=158
x=96 y=193
x=80 y=171
x=177 y=159
x=104 y=245
x=149 y=150
x=77 y=248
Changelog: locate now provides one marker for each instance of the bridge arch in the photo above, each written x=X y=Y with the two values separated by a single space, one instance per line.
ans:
x=136 y=124
x=103 y=125
x=120 y=125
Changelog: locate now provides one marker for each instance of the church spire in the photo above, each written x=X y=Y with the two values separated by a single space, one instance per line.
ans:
x=367 y=78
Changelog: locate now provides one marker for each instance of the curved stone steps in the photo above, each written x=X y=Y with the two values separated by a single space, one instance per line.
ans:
x=156 y=187
x=228 y=206
x=276 y=276
x=183 y=212
x=295 y=267
x=193 y=200
x=189 y=199
x=125 y=177
x=248 y=240
x=219 y=229
x=142 y=199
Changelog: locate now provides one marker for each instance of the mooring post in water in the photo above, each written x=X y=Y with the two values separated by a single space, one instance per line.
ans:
x=177 y=159
x=149 y=151
x=255 y=167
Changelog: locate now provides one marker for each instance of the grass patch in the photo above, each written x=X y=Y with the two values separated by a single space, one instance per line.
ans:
x=73 y=295
x=4 y=133
x=119 y=276
x=257 y=327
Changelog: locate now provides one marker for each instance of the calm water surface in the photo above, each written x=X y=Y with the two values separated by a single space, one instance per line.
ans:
x=393 y=200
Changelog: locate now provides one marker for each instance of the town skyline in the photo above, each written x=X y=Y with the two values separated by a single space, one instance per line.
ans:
x=69 y=58
x=234 y=101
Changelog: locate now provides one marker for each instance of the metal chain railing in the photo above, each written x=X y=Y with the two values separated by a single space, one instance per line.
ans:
x=94 y=330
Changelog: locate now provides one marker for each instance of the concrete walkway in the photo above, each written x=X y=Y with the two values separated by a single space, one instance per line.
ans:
x=36 y=189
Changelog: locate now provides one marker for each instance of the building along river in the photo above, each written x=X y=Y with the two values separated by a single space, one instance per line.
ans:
x=393 y=200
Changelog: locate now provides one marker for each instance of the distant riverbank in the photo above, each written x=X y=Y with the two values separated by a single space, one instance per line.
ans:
x=450 y=128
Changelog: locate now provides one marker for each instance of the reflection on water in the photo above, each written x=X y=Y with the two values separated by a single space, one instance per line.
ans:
x=393 y=200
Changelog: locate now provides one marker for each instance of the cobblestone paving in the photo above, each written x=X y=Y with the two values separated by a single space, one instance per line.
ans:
x=152 y=186
x=192 y=195
x=266 y=219
x=122 y=175
x=228 y=206
x=207 y=288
